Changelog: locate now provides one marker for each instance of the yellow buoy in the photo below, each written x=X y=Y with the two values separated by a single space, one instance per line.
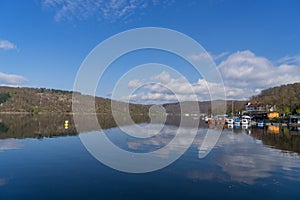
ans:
x=66 y=124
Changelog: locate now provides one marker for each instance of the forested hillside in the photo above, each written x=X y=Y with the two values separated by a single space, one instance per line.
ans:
x=285 y=97
x=36 y=100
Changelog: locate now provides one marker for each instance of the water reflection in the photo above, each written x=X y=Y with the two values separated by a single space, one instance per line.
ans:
x=39 y=126
x=8 y=144
x=2 y=181
x=243 y=155
x=51 y=125
x=34 y=126
x=142 y=145
x=242 y=158
x=283 y=138
x=247 y=160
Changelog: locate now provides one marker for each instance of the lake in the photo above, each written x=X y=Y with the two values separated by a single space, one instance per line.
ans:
x=41 y=159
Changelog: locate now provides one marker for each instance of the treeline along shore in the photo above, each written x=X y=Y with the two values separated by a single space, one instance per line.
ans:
x=42 y=100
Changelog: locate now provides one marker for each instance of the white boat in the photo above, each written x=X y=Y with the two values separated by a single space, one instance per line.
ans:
x=246 y=117
x=206 y=119
x=237 y=122
x=260 y=123
x=230 y=121
x=245 y=122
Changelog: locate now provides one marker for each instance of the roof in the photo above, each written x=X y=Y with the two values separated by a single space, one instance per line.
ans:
x=255 y=103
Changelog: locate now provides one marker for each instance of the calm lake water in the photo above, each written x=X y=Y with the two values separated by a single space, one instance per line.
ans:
x=40 y=159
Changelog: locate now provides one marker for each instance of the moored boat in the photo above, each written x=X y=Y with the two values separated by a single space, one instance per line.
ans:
x=229 y=121
x=260 y=123
x=245 y=122
x=237 y=121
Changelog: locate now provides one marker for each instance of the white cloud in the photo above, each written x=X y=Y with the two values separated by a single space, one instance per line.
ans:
x=101 y=9
x=207 y=55
x=289 y=60
x=7 y=45
x=202 y=55
x=244 y=75
x=11 y=79
x=219 y=56
x=244 y=69
x=164 y=88
x=134 y=84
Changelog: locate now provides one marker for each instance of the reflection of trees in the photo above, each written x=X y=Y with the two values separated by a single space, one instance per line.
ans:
x=35 y=126
x=283 y=140
x=3 y=128
x=50 y=125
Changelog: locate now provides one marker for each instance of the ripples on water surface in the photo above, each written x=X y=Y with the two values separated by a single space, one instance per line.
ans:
x=39 y=159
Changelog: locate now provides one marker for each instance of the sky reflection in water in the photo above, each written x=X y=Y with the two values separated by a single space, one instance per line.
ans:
x=245 y=163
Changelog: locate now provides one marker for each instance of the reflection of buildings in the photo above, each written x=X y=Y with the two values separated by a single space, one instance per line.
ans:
x=273 y=129
x=295 y=130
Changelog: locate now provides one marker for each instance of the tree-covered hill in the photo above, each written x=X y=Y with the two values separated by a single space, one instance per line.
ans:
x=36 y=100
x=285 y=97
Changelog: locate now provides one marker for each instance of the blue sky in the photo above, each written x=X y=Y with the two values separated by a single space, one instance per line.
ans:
x=43 y=43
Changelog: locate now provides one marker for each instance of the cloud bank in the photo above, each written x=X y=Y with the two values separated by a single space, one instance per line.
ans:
x=7 y=45
x=244 y=75
x=244 y=69
x=11 y=79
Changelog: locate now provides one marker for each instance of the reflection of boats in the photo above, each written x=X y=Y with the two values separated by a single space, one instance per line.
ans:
x=294 y=130
x=230 y=125
x=244 y=126
x=237 y=126
x=216 y=121
x=216 y=126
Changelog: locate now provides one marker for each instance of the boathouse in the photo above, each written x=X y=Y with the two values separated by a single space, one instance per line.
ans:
x=294 y=120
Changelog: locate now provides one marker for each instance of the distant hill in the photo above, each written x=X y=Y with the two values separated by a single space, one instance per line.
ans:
x=205 y=106
x=174 y=108
x=285 y=97
x=36 y=100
